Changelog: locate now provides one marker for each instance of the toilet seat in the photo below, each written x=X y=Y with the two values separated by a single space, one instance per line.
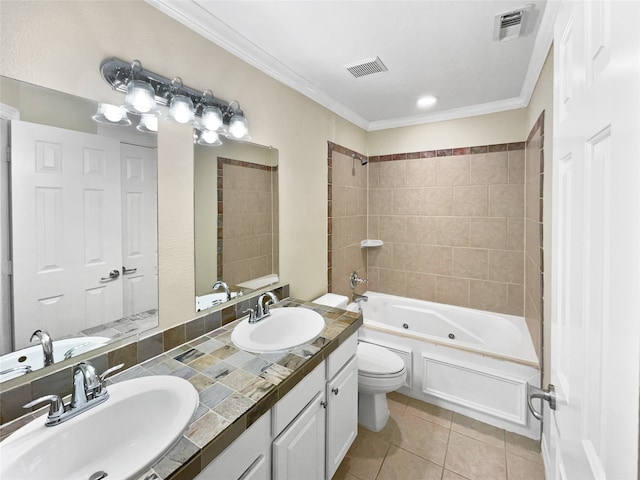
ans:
x=378 y=362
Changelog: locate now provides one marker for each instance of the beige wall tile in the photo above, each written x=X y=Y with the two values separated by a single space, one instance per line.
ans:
x=421 y=172
x=434 y=260
x=436 y=201
x=453 y=231
x=506 y=266
x=452 y=170
x=506 y=200
x=421 y=230
x=532 y=239
x=406 y=256
x=392 y=282
x=374 y=174
x=372 y=226
x=407 y=201
x=489 y=168
x=393 y=174
x=421 y=286
x=392 y=228
x=470 y=263
x=515 y=233
x=380 y=201
x=532 y=280
x=453 y=291
x=488 y=232
x=342 y=169
x=470 y=201
x=490 y=296
x=532 y=199
x=515 y=300
x=516 y=166
x=381 y=257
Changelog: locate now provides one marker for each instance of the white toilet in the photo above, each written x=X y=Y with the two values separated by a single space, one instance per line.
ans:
x=379 y=371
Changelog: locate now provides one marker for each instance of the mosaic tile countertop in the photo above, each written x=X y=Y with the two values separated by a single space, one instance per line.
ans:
x=235 y=387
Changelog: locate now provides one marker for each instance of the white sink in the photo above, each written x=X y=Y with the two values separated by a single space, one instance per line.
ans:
x=123 y=436
x=285 y=328
x=34 y=357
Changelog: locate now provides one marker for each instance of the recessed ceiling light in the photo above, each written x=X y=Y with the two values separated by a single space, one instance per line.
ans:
x=427 y=101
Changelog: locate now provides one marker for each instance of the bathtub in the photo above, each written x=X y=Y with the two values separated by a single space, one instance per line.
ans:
x=472 y=362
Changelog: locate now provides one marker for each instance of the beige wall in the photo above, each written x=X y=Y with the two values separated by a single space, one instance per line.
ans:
x=60 y=45
x=494 y=128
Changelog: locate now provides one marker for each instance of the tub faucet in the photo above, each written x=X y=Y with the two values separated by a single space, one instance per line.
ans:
x=355 y=280
x=47 y=345
x=224 y=286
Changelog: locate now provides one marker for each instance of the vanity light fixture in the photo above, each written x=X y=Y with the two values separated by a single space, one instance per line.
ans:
x=180 y=106
x=146 y=91
x=111 y=114
x=238 y=126
x=148 y=124
x=207 y=138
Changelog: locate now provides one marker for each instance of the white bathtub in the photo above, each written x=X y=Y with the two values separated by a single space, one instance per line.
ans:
x=472 y=362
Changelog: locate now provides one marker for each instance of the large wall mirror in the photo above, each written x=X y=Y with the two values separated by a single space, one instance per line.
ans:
x=236 y=219
x=78 y=228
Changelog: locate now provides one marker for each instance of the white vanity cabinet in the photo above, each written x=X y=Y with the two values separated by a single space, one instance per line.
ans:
x=247 y=458
x=306 y=434
x=342 y=403
x=299 y=450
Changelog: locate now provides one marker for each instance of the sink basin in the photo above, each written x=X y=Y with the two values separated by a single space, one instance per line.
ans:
x=123 y=436
x=285 y=328
x=33 y=356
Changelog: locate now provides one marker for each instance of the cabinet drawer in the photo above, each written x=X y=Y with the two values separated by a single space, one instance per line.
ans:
x=248 y=455
x=299 y=397
x=341 y=355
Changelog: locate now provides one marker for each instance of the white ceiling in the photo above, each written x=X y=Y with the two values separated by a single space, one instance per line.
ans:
x=444 y=48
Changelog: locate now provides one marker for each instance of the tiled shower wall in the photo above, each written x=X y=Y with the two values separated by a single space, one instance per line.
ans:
x=347 y=218
x=246 y=220
x=452 y=222
x=534 y=254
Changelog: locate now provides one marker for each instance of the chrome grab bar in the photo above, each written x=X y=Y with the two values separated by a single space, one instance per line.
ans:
x=549 y=395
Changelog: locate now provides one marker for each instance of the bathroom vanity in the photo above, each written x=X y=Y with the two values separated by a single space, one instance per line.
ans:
x=302 y=424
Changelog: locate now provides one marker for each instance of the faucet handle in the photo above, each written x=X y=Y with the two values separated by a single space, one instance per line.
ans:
x=109 y=371
x=252 y=314
x=56 y=407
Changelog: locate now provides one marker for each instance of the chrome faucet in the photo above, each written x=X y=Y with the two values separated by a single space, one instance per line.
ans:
x=355 y=280
x=224 y=286
x=89 y=390
x=47 y=345
x=262 y=308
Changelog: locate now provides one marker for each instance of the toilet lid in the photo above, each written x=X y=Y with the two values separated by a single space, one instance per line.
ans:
x=376 y=360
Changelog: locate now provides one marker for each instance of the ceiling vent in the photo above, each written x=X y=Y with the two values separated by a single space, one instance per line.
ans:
x=509 y=25
x=366 y=67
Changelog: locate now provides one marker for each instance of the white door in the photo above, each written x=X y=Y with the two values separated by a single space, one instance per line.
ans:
x=67 y=237
x=298 y=452
x=139 y=228
x=595 y=320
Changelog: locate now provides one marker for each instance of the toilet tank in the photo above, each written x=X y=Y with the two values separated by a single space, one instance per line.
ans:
x=333 y=300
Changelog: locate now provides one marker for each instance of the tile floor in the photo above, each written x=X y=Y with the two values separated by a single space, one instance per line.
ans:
x=425 y=442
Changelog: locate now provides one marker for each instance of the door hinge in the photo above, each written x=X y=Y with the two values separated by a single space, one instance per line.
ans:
x=8 y=154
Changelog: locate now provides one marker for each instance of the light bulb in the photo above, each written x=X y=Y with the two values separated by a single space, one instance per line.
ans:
x=113 y=113
x=238 y=126
x=181 y=109
x=148 y=124
x=211 y=118
x=140 y=97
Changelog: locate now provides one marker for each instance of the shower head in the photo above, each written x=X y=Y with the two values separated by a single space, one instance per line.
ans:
x=363 y=160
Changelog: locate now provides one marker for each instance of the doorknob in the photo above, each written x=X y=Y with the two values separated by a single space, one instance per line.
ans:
x=113 y=274
x=534 y=392
x=126 y=271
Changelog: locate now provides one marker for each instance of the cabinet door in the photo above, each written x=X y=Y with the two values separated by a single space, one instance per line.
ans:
x=259 y=470
x=342 y=414
x=299 y=451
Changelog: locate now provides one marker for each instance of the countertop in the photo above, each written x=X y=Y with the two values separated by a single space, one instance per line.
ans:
x=235 y=387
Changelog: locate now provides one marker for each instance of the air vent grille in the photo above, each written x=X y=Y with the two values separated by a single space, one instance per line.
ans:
x=366 y=67
x=509 y=25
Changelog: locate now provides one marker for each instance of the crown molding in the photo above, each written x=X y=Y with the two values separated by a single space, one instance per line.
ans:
x=193 y=16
